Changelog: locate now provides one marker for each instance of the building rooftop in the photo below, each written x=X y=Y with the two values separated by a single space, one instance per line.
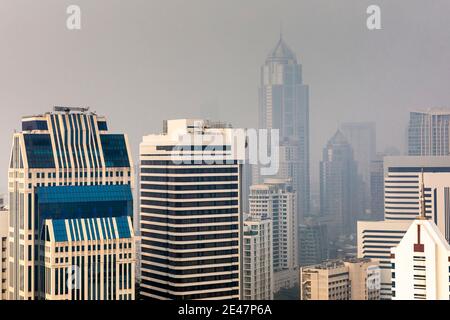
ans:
x=333 y=264
x=434 y=111
x=281 y=51
x=64 y=110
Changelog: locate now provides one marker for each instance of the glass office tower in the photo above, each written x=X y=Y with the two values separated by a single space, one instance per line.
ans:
x=70 y=194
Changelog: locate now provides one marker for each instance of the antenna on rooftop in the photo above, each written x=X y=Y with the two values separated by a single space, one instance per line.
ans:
x=422 y=215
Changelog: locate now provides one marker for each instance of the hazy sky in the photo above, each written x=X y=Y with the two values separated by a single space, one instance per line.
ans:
x=141 y=61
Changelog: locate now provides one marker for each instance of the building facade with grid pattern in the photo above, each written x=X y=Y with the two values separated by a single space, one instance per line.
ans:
x=67 y=171
x=190 y=212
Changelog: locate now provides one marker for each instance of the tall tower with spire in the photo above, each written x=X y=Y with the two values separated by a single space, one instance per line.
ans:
x=284 y=105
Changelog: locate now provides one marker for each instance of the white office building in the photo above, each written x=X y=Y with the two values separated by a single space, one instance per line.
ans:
x=276 y=199
x=402 y=181
x=375 y=240
x=190 y=211
x=258 y=257
x=420 y=264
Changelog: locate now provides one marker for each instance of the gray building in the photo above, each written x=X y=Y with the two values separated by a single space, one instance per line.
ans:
x=362 y=138
x=339 y=187
x=428 y=132
x=313 y=243
x=246 y=183
x=284 y=105
x=377 y=188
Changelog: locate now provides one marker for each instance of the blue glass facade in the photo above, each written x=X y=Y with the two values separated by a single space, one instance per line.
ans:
x=59 y=228
x=72 y=202
x=39 y=150
x=115 y=150
x=64 y=194
x=95 y=229
x=34 y=125
x=102 y=125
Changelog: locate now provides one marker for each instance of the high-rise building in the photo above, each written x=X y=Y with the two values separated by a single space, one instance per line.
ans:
x=403 y=177
x=429 y=133
x=313 y=243
x=348 y=279
x=421 y=261
x=377 y=188
x=421 y=264
x=191 y=224
x=3 y=253
x=402 y=180
x=284 y=105
x=71 y=206
x=258 y=257
x=375 y=240
x=276 y=199
x=362 y=138
x=339 y=187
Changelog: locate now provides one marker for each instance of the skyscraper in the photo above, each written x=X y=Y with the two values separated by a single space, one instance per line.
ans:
x=377 y=188
x=375 y=240
x=339 y=186
x=429 y=133
x=190 y=211
x=3 y=253
x=420 y=264
x=402 y=181
x=275 y=198
x=362 y=137
x=71 y=206
x=258 y=259
x=284 y=105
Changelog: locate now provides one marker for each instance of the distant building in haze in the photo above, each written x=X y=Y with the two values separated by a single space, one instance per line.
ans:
x=377 y=188
x=284 y=105
x=313 y=243
x=340 y=187
x=362 y=138
x=429 y=133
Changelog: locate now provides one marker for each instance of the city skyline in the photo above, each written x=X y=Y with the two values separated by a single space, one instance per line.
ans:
x=150 y=68
x=223 y=151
